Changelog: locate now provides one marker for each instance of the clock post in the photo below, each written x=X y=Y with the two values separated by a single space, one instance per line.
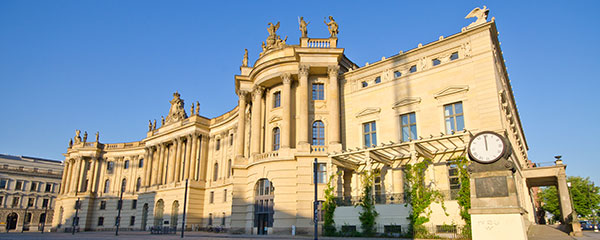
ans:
x=496 y=212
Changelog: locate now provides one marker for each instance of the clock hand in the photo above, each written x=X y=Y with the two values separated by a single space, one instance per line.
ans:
x=485 y=139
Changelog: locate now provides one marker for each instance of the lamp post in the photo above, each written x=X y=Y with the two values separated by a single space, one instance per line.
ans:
x=315 y=216
x=75 y=219
x=25 y=218
x=119 y=206
x=184 y=206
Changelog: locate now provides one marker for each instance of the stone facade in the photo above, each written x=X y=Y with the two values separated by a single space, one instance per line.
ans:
x=28 y=190
x=250 y=169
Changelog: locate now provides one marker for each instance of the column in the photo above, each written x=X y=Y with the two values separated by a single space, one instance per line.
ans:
x=64 y=178
x=241 y=129
x=178 y=160
x=92 y=175
x=172 y=151
x=287 y=106
x=333 y=103
x=188 y=157
x=302 y=106
x=397 y=180
x=161 y=164
x=193 y=157
x=256 y=112
x=202 y=157
x=69 y=181
x=147 y=166
x=75 y=174
x=565 y=199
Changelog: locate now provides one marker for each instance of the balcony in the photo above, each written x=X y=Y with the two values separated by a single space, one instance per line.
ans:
x=318 y=42
x=265 y=156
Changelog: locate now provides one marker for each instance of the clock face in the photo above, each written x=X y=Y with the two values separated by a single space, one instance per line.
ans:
x=487 y=147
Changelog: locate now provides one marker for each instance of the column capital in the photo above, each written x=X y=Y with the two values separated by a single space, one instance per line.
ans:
x=287 y=78
x=303 y=70
x=333 y=70
x=257 y=91
x=242 y=93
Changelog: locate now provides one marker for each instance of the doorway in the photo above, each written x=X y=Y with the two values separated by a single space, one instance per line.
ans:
x=11 y=221
x=263 y=206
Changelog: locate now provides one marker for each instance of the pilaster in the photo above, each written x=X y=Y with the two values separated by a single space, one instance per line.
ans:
x=302 y=109
x=287 y=106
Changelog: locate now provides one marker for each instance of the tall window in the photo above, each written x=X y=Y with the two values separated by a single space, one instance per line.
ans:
x=321 y=172
x=210 y=219
x=229 y=168
x=225 y=195
x=126 y=164
x=370 y=134
x=106 y=186
x=453 y=117
x=100 y=221
x=276 y=138
x=34 y=186
x=134 y=204
x=102 y=205
x=408 y=124
x=141 y=163
x=110 y=165
x=216 y=172
x=3 y=183
x=276 y=99
x=212 y=197
x=30 y=202
x=45 y=202
x=138 y=184
x=19 y=185
x=453 y=178
x=15 y=201
x=318 y=92
x=132 y=221
x=48 y=187
x=218 y=144
x=231 y=139
x=318 y=133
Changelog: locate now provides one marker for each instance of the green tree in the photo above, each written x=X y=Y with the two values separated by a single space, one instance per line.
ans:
x=586 y=197
x=420 y=197
x=368 y=214
x=329 y=206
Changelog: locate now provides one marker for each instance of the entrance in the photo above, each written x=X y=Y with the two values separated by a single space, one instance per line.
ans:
x=263 y=206
x=11 y=221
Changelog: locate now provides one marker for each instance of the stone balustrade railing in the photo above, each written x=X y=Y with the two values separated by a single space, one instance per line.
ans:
x=318 y=149
x=264 y=156
x=318 y=42
x=122 y=145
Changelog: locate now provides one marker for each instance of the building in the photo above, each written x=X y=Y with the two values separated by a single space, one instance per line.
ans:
x=250 y=169
x=28 y=190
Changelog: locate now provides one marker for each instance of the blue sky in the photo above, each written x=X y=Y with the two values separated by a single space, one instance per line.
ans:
x=110 y=66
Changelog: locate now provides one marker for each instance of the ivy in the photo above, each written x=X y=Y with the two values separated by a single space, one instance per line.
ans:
x=329 y=206
x=420 y=197
x=368 y=214
x=464 y=194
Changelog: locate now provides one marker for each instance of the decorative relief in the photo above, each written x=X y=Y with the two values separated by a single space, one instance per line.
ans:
x=333 y=70
x=451 y=90
x=176 y=112
x=423 y=64
x=480 y=14
x=466 y=49
x=287 y=78
x=406 y=101
x=303 y=70
x=368 y=111
x=387 y=75
x=257 y=91
x=275 y=119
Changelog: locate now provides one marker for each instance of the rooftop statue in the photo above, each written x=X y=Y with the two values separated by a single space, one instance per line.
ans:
x=197 y=108
x=154 y=125
x=244 y=64
x=273 y=40
x=303 y=25
x=70 y=142
x=480 y=14
x=97 y=136
x=332 y=26
x=149 y=125
x=77 y=137
x=176 y=112
x=85 y=136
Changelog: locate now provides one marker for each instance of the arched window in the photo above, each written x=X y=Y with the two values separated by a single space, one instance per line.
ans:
x=138 y=184
x=216 y=172
x=276 y=134
x=229 y=168
x=123 y=184
x=126 y=164
x=318 y=133
x=106 y=186
x=141 y=163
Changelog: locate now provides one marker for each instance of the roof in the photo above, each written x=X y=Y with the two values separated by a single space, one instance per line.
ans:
x=5 y=156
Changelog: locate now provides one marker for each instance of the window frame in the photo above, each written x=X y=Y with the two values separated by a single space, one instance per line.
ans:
x=102 y=205
x=371 y=133
x=100 y=221
x=453 y=117
x=318 y=91
x=321 y=173
x=411 y=116
x=319 y=127
x=276 y=140
x=126 y=164
x=277 y=99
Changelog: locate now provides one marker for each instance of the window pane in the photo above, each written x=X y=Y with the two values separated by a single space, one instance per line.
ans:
x=413 y=131
x=374 y=139
x=448 y=110
x=397 y=74
x=366 y=128
x=449 y=125
x=412 y=118
x=373 y=127
x=460 y=123
x=367 y=140
x=405 y=134
x=458 y=108
x=454 y=56
x=404 y=119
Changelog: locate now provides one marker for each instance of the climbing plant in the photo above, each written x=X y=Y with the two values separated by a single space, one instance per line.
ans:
x=368 y=214
x=420 y=197
x=329 y=206
x=464 y=194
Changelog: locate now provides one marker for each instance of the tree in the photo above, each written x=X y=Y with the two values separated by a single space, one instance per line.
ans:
x=586 y=197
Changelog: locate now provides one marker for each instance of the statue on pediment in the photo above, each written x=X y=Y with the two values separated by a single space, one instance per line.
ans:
x=70 y=142
x=97 y=136
x=333 y=27
x=77 y=137
x=273 y=40
x=480 y=14
x=303 y=27
x=244 y=64
x=85 y=136
x=176 y=112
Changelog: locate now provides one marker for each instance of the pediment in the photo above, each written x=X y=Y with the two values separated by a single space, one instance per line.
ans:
x=451 y=90
x=368 y=111
x=406 y=101
x=275 y=119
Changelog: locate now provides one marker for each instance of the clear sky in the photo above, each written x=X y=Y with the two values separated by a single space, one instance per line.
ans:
x=110 y=66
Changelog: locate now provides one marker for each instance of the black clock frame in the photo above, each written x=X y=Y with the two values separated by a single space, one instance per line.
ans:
x=504 y=147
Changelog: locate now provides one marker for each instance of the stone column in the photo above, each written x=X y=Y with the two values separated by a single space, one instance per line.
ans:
x=92 y=177
x=287 y=106
x=188 y=157
x=302 y=107
x=193 y=157
x=172 y=161
x=156 y=165
x=241 y=124
x=256 y=113
x=76 y=175
x=162 y=164
x=178 y=160
x=565 y=198
x=63 y=181
x=148 y=166
x=333 y=103
x=397 y=180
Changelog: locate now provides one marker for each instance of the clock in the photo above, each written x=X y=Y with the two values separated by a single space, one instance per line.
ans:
x=487 y=147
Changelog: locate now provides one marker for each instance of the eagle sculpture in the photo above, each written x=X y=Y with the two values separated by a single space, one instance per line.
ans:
x=480 y=14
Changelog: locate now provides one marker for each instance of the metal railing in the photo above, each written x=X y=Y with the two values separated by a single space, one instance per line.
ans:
x=392 y=198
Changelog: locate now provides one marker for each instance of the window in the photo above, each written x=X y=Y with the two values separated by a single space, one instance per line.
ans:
x=453 y=178
x=408 y=124
x=132 y=221
x=19 y=185
x=364 y=84
x=223 y=219
x=412 y=69
x=28 y=217
x=377 y=190
x=45 y=202
x=210 y=218
x=229 y=168
x=48 y=187
x=377 y=79
x=370 y=134
x=276 y=139
x=318 y=133
x=141 y=163
x=15 y=201
x=212 y=197
x=320 y=210
x=276 y=99
x=34 y=186
x=1 y=200
x=100 y=221
x=225 y=195
x=397 y=74
x=395 y=230
x=110 y=165
x=435 y=62
x=134 y=204
x=126 y=164
x=321 y=172
x=318 y=92
x=231 y=139
x=84 y=187
x=138 y=184
x=453 y=117
x=453 y=56
x=3 y=183
x=30 y=202
x=218 y=144
x=106 y=186
x=102 y=205
x=216 y=172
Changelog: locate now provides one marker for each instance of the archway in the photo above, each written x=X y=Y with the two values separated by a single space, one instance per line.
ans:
x=158 y=213
x=263 y=206
x=11 y=221
x=174 y=214
x=144 y=216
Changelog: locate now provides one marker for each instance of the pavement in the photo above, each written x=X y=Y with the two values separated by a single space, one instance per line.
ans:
x=550 y=232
